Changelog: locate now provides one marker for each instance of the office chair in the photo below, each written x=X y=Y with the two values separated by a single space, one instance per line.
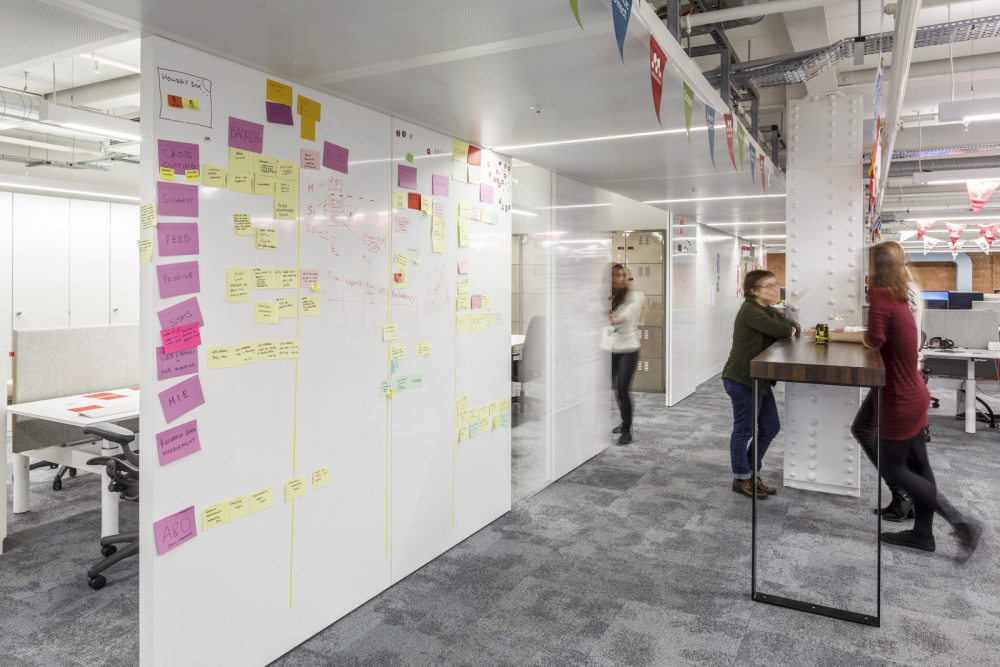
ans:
x=57 y=481
x=532 y=362
x=124 y=474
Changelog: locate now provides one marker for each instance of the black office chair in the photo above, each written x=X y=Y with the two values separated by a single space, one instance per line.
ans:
x=124 y=474
x=531 y=365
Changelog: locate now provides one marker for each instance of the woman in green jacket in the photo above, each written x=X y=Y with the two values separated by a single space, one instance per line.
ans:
x=757 y=325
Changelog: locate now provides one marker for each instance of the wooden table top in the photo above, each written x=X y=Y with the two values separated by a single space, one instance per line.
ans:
x=802 y=360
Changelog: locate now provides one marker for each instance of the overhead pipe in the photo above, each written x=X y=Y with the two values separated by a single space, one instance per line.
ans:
x=910 y=167
x=925 y=70
x=763 y=9
x=18 y=107
x=100 y=91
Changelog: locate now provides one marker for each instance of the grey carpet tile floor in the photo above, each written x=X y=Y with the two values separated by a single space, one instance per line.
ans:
x=639 y=557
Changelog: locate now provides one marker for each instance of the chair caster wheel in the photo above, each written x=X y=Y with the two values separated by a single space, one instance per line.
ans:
x=108 y=549
x=98 y=582
x=56 y=485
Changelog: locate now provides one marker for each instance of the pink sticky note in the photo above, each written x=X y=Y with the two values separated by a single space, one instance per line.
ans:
x=335 y=157
x=439 y=185
x=476 y=301
x=246 y=135
x=177 y=199
x=177 y=238
x=463 y=266
x=177 y=155
x=279 y=113
x=177 y=442
x=307 y=277
x=178 y=364
x=182 y=398
x=181 y=338
x=486 y=193
x=178 y=279
x=407 y=176
x=185 y=312
x=402 y=223
x=309 y=159
x=174 y=530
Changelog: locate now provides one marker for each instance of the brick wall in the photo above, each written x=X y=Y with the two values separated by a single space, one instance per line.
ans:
x=776 y=265
x=934 y=276
x=930 y=275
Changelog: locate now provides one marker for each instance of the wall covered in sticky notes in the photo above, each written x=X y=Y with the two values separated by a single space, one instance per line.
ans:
x=295 y=379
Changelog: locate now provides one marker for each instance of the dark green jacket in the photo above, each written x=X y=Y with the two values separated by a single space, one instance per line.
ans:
x=755 y=328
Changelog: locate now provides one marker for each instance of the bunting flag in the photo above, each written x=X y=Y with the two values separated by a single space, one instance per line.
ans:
x=688 y=109
x=956 y=247
x=729 y=137
x=621 y=10
x=875 y=226
x=989 y=231
x=710 y=121
x=955 y=229
x=657 y=61
x=983 y=244
x=980 y=193
x=576 y=12
x=874 y=167
x=929 y=243
x=907 y=235
x=922 y=228
x=753 y=162
x=741 y=140
x=763 y=176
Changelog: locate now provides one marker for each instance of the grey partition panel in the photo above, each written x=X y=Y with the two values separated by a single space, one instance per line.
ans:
x=968 y=328
x=986 y=305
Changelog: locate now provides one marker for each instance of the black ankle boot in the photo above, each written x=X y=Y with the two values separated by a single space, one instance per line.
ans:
x=900 y=507
x=967 y=530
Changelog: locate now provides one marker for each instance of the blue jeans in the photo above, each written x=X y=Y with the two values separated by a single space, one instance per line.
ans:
x=741 y=441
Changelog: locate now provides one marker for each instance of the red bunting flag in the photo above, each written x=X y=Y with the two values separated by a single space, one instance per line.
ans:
x=955 y=230
x=729 y=137
x=929 y=243
x=989 y=231
x=657 y=61
x=922 y=228
x=980 y=193
x=763 y=176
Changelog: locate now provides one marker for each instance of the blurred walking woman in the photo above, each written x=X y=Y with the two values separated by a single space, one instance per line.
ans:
x=626 y=306
x=756 y=327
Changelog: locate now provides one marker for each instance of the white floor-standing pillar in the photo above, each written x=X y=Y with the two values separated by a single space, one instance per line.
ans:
x=824 y=282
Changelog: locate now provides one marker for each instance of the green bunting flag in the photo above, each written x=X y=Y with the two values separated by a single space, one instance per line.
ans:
x=576 y=12
x=688 y=108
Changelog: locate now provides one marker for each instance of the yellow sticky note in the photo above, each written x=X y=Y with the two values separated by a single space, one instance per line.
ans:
x=461 y=302
x=215 y=177
x=463 y=433
x=191 y=103
x=242 y=225
x=285 y=209
x=237 y=508
x=267 y=350
x=261 y=500
x=265 y=165
x=504 y=404
x=487 y=302
x=288 y=170
x=240 y=181
x=437 y=234
x=166 y=174
x=462 y=404
x=463 y=323
x=287 y=306
x=244 y=353
x=496 y=422
x=463 y=232
x=265 y=312
x=389 y=393
x=213 y=515
x=266 y=239
x=400 y=260
x=315 y=287
x=399 y=200
x=240 y=160
x=279 y=92
x=472 y=417
x=494 y=408
x=265 y=279
x=397 y=351
x=425 y=205
x=463 y=419
x=287 y=278
x=321 y=477
x=145 y=251
x=486 y=215
x=389 y=332
x=424 y=348
x=490 y=319
x=310 y=305
x=287 y=190
x=459 y=151
x=219 y=357
x=308 y=108
x=478 y=322
x=147 y=215
x=191 y=175
x=484 y=422
x=288 y=349
x=464 y=210
x=263 y=185
x=238 y=285
x=308 y=129
x=462 y=286
x=295 y=487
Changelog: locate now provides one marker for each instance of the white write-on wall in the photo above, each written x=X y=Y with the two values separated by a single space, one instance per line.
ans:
x=325 y=335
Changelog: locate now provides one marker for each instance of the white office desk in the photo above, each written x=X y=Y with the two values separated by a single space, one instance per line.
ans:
x=65 y=410
x=516 y=340
x=971 y=356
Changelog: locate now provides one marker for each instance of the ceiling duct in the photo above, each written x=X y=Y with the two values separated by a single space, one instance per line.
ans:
x=905 y=169
x=18 y=107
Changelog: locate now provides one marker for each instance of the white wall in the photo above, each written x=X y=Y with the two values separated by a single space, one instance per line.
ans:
x=6 y=261
x=718 y=302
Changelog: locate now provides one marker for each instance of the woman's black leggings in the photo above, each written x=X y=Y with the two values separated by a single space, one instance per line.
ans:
x=622 y=371
x=905 y=464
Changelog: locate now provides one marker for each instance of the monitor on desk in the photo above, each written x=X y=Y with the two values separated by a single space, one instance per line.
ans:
x=963 y=300
x=935 y=299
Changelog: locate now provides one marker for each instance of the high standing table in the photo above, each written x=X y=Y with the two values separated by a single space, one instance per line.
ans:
x=971 y=357
x=841 y=364
x=65 y=410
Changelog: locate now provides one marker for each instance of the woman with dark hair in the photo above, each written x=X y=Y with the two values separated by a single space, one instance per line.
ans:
x=626 y=306
x=905 y=398
x=756 y=327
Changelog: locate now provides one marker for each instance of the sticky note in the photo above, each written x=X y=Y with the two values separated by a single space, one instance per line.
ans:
x=474 y=213
x=288 y=349
x=463 y=433
x=425 y=204
x=214 y=177
x=484 y=422
x=295 y=487
x=244 y=353
x=314 y=287
x=406 y=176
x=308 y=108
x=463 y=266
x=308 y=129
x=267 y=350
x=400 y=260
x=463 y=418
x=402 y=224
x=486 y=216
x=309 y=159
x=464 y=210
x=287 y=278
x=438 y=211
x=238 y=285
x=504 y=404
x=191 y=103
x=237 y=508
x=287 y=190
x=496 y=421
x=147 y=215
x=167 y=174
x=265 y=165
x=397 y=351
x=145 y=251
x=284 y=209
x=192 y=176
x=180 y=399
x=399 y=280
x=390 y=393
x=401 y=383
x=462 y=286
x=461 y=302
x=473 y=429
x=263 y=185
x=261 y=500
x=384 y=387
x=321 y=477
x=213 y=515
x=175 y=101
x=474 y=175
x=265 y=278
x=310 y=305
x=389 y=332
x=181 y=338
x=178 y=279
x=177 y=238
x=437 y=235
x=279 y=92
x=463 y=232
x=459 y=151
x=174 y=530
x=476 y=301
x=182 y=312
x=459 y=171
x=335 y=157
x=399 y=200
x=487 y=302
x=240 y=160
x=463 y=324
x=504 y=420
x=308 y=276
x=413 y=253
x=177 y=156
x=416 y=380
x=240 y=181
x=413 y=200
x=177 y=364
x=439 y=185
x=246 y=135
x=242 y=225
x=288 y=170
x=177 y=442
x=266 y=239
x=287 y=306
x=265 y=312
x=486 y=193
x=461 y=404
x=424 y=348
x=177 y=199
x=219 y=357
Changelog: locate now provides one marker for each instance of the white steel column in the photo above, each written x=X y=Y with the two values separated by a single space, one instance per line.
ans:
x=824 y=282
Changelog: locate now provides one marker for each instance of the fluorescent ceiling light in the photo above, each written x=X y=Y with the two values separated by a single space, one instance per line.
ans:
x=763 y=236
x=969 y=111
x=955 y=176
x=553 y=208
x=67 y=191
x=104 y=60
x=610 y=137
x=517 y=212
x=673 y=201
x=744 y=224
x=45 y=145
x=90 y=122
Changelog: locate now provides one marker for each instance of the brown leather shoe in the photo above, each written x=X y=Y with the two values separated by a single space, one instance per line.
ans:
x=745 y=486
x=769 y=490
